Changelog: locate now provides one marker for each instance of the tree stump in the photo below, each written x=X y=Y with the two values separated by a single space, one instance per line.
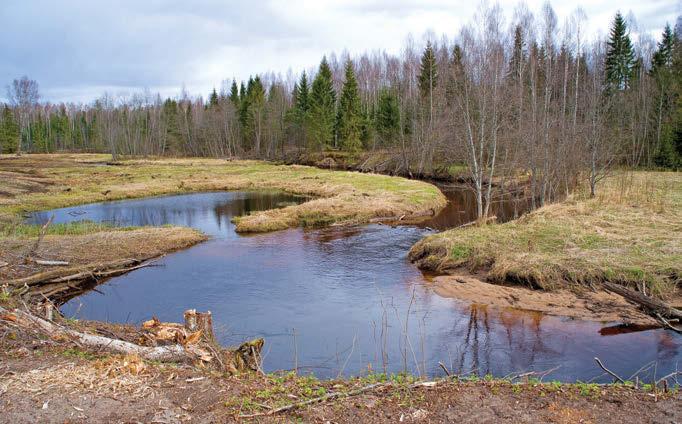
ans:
x=195 y=321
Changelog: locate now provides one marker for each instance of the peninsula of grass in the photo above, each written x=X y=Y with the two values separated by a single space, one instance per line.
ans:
x=39 y=182
x=630 y=233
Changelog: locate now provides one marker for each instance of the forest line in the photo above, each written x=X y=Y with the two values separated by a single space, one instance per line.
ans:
x=531 y=98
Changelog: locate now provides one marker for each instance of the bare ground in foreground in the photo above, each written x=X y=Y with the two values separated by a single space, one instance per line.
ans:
x=70 y=385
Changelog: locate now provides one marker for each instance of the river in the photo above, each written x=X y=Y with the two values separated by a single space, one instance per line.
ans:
x=344 y=300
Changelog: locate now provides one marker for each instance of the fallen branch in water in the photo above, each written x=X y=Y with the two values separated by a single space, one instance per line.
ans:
x=613 y=374
x=653 y=306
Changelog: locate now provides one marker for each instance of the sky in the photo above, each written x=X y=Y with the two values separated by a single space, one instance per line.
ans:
x=79 y=49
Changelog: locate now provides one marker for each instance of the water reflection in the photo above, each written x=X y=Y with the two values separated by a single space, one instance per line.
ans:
x=340 y=300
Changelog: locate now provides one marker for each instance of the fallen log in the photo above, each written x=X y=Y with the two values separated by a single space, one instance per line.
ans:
x=51 y=263
x=651 y=305
x=170 y=353
x=90 y=271
x=182 y=347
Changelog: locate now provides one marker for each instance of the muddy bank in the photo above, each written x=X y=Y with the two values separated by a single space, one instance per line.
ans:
x=584 y=305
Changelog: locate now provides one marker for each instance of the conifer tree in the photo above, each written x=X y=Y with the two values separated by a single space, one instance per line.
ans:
x=302 y=97
x=9 y=131
x=322 y=105
x=350 y=117
x=620 y=56
x=388 y=117
x=213 y=99
x=663 y=57
x=428 y=75
x=234 y=95
x=518 y=56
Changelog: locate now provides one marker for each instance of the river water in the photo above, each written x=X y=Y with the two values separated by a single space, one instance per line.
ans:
x=344 y=301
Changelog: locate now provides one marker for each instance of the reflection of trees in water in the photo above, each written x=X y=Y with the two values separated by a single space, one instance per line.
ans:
x=487 y=332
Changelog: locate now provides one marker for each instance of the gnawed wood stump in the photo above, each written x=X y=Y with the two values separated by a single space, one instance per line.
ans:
x=160 y=341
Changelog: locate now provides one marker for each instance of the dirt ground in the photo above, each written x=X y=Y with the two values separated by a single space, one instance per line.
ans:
x=584 y=304
x=73 y=386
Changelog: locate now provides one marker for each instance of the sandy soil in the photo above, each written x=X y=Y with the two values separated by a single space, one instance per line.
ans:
x=586 y=305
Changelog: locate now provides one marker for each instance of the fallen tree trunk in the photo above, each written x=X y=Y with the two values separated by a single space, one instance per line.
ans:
x=170 y=353
x=90 y=271
x=653 y=306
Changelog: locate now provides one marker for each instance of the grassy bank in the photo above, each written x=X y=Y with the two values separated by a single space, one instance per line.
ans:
x=630 y=233
x=38 y=182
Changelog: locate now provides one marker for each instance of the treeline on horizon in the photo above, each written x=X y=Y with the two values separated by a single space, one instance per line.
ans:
x=532 y=97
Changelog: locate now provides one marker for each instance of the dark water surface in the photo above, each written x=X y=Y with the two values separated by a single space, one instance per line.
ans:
x=342 y=300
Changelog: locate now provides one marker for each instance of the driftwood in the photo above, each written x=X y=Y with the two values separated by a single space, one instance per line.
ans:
x=653 y=306
x=404 y=217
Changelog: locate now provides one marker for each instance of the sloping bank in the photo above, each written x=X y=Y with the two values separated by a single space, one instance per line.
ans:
x=628 y=236
x=41 y=182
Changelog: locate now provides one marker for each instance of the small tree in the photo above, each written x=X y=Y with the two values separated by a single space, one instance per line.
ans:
x=388 y=117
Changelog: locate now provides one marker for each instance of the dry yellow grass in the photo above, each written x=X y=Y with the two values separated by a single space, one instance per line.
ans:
x=630 y=233
x=102 y=246
x=38 y=182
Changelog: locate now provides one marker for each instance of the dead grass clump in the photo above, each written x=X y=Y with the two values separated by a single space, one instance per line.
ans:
x=630 y=233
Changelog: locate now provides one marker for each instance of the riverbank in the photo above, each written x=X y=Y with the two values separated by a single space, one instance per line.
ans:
x=630 y=234
x=79 y=385
x=39 y=182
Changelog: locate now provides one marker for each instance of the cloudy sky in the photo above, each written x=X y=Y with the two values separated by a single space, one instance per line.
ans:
x=78 y=49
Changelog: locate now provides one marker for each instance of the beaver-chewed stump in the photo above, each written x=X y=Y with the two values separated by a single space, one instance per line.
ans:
x=192 y=341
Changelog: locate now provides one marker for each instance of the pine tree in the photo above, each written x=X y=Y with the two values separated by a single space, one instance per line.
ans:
x=322 y=105
x=9 y=131
x=350 y=117
x=388 y=117
x=620 y=56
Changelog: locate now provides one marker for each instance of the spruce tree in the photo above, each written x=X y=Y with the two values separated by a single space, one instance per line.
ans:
x=518 y=57
x=663 y=57
x=620 y=56
x=213 y=99
x=302 y=98
x=322 y=105
x=234 y=95
x=350 y=117
x=9 y=131
x=388 y=117
x=428 y=75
